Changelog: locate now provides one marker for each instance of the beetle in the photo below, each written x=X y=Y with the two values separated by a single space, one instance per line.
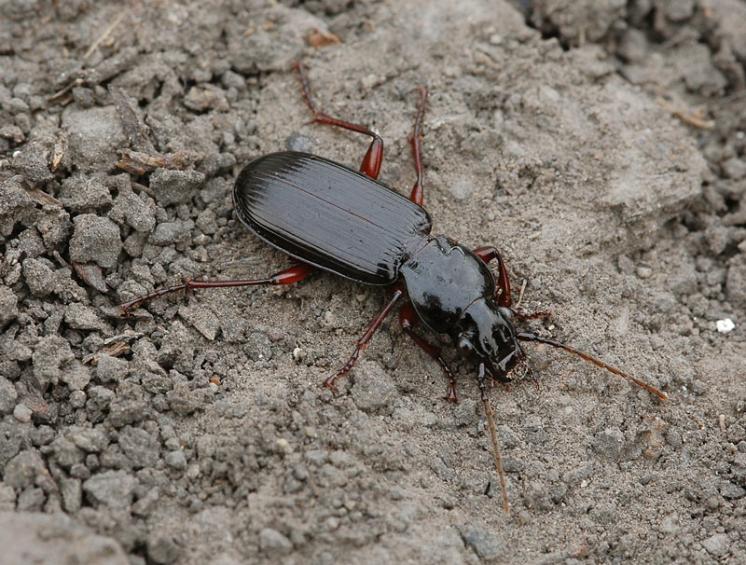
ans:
x=328 y=216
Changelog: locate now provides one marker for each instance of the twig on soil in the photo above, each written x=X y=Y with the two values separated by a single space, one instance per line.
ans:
x=139 y=163
x=694 y=118
x=112 y=26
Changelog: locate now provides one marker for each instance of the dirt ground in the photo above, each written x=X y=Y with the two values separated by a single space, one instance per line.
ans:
x=600 y=145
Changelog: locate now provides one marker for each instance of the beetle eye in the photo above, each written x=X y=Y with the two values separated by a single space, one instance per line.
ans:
x=506 y=312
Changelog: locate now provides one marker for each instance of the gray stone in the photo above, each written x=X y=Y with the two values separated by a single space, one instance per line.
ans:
x=90 y=440
x=732 y=491
x=258 y=346
x=205 y=97
x=176 y=460
x=374 y=389
x=717 y=544
x=39 y=277
x=111 y=369
x=7 y=498
x=184 y=401
x=54 y=539
x=484 y=543
x=123 y=411
x=467 y=412
x=10 y=441
x=66 y=452
x=141 y=447
x=76 y=376
x=8 y=306
x=175 y=187
x=32 y=161
x=461 y=188
x=207 y=222
x=131 y=210
x=25 y=469
x=81 y=317
x=82 y=193
x=22 y=413
x=274 y=543
x=95 y=239
x=51 y=355
x=735 y=282
x=163 y=548
x=15 y=205
x=113 y=489
x=94 y=136
x=202 y=318
x=32 y=500
x=734 y=168
x=609 y=443
x=72 y=494
x=53 y=224
x=100 y=396
x=8 y=396
x=169 y=233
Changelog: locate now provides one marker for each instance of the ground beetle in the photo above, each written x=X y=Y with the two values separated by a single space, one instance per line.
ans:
x=328 y=216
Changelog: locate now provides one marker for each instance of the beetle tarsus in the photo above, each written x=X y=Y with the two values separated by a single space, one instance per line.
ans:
x=451 y=395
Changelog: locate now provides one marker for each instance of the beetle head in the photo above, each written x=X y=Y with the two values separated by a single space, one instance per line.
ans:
x=485 y=330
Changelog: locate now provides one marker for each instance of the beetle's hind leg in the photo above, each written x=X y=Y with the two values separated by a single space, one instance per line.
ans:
x=371 y=165
x=287 y=276
x=408 y=319
x=415 y=140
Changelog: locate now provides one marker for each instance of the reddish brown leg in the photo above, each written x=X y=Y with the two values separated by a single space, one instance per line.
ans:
x=371 y=165
x=408 y=320
x=417 y=195
x=487 y=254
x=288 y=276
x=364 y=341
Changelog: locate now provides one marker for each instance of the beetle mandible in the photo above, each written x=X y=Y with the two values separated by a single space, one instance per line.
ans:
x=330 y=217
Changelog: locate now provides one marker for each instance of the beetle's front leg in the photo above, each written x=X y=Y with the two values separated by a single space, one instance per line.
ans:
x=503 y=295
x=487 y=254
x=408 y=319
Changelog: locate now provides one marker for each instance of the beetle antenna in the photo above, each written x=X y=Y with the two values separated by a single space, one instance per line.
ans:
x=490 y=416
x=525 y=336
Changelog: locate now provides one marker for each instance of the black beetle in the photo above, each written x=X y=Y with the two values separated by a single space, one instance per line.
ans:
x=331 y=217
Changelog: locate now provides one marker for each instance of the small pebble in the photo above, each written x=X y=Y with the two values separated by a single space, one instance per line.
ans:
x=22 y=413
x=644 y=272
x=299 y=354
x=176 y=460
x=725 y=325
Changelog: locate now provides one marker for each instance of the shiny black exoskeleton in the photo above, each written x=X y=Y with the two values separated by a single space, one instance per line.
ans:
x=337 y=219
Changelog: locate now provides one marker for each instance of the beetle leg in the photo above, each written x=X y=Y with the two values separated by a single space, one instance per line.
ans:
x=417 y=195
x=364 y=341
x=503 y=295
x=291 y=275
x=408 y=319
x=371 y=165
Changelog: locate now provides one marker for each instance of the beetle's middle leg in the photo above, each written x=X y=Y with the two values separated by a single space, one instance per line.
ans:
x=408 y=319
x=371 y=165
x=364 y=341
